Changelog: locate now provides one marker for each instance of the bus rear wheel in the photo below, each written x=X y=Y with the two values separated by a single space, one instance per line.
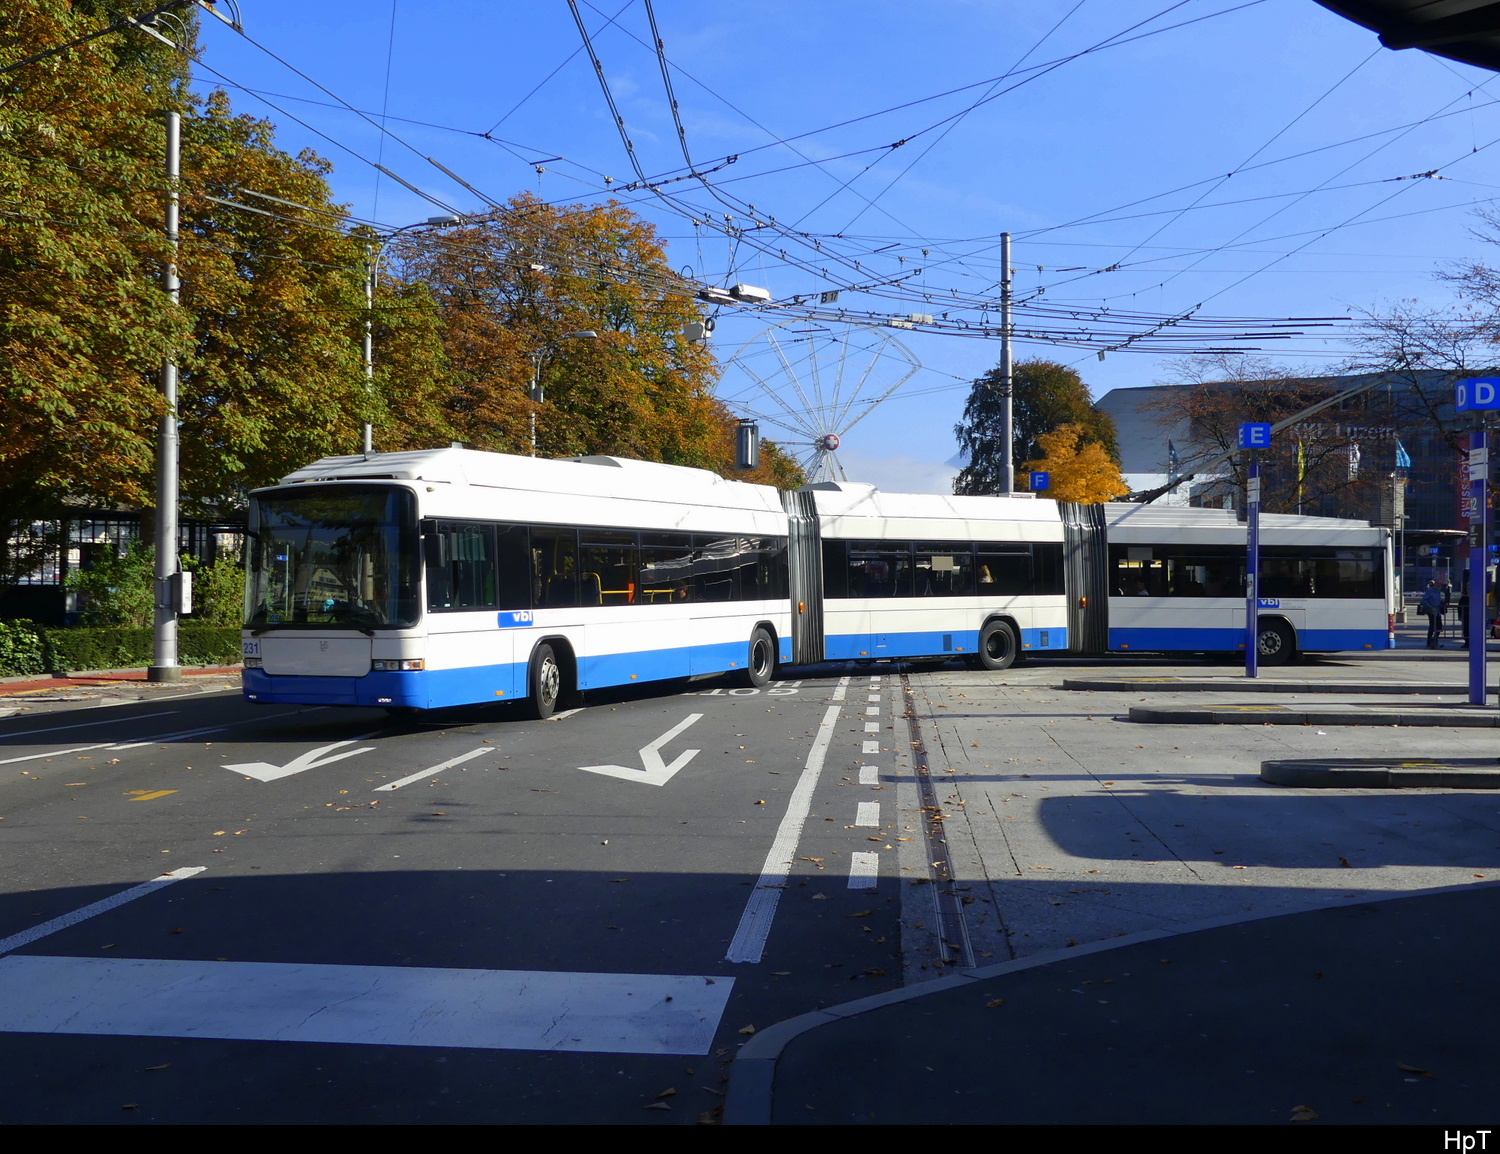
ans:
x=998 y=647
x=1274 y=643
x=544 y=683
x=761 y=666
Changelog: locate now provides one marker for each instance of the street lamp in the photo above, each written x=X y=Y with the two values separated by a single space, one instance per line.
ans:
x=372 y=269
x=538 y=356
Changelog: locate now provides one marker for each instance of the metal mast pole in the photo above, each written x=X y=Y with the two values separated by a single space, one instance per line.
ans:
x=164 y=665
x=1007 y=425
x=1476 y=640
x=367 y=437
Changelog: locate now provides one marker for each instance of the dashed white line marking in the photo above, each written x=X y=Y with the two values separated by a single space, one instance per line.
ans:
x=864 y=871
x=423 y=774
x=872 y=727
x=363 y=1005
x=875 y=681
x=873 y=697
x=565 y=713
x=749 y=943
x=160 y=737
x=870 y=747
x=838 y=694
x=869 y=775
x=26 y=937
x=867 y=813
x=872 y=711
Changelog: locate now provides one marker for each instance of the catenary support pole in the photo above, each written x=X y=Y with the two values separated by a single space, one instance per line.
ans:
x=367 y=433
x=164 y=665
x=1007 y=382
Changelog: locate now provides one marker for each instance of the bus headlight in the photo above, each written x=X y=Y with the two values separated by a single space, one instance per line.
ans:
x=252 y=663
x=396 y=666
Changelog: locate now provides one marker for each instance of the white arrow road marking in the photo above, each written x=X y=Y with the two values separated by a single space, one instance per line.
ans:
x=312 y=759
x=657 y=772
x=436 y=769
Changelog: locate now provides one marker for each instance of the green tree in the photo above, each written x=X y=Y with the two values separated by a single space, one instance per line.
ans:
x=1045 y=396
x=117 y=590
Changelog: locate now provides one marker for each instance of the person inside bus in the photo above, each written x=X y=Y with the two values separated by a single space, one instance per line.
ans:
x=1140 y=589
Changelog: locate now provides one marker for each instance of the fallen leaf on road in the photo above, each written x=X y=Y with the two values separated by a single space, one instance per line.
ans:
x=667 y=1093
x=178 y=930
x=657 y=1106
x=163 y=1066
x=619 y=879
x=874 y=839
x=1343 y=861
x=994 y=1004
x=1038 y=867
x=872 y=972
x=811 y=859
x=781 y=973
x=1415 y=1070
x=1303 y=1114
x=820 y=897
x=747 y=1030
x=861 y=914
x=222 y=832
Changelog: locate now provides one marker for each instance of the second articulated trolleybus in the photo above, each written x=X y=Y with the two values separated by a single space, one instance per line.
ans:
x=450 y=576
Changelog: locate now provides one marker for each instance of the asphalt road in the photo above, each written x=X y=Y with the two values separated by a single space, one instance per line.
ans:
x=581 y=909
x=476 y=918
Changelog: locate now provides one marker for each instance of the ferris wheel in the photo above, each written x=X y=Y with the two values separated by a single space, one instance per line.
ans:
x=816 y=380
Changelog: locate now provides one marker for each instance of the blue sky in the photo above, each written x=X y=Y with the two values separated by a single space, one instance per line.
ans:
x=1118 y=156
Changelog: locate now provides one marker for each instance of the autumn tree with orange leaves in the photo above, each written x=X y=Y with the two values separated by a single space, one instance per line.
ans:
x=1085 y=473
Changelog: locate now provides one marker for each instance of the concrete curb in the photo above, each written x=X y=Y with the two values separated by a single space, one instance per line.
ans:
x=75 y=674
x=1384 y=773
x=1281 y=715
x=752 y=1075
x=1246 y=685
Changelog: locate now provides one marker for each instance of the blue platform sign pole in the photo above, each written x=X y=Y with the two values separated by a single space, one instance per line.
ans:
x=1253 y=436
x=1478 y=395
x=1252 y=567
x=1479 y=470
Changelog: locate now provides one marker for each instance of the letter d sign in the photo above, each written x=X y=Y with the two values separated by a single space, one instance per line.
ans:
x=1473 y=394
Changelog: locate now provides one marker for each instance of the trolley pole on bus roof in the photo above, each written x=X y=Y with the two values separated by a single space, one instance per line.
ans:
x=1007 y=426
x=1477 y=395
x=1253 y=436
x=164 y=665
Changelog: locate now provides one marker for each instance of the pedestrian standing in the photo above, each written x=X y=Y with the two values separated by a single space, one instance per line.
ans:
x=1431 y=606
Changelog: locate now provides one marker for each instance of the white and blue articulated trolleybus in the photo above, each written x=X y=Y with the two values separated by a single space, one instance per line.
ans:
x=443 y=577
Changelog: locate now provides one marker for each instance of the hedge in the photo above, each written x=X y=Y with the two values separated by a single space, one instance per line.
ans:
x=107 y=647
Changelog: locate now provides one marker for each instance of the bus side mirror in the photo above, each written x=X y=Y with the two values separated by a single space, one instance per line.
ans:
x=433 y=551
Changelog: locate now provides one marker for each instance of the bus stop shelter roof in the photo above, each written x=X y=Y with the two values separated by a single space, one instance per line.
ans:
x=1464 y=30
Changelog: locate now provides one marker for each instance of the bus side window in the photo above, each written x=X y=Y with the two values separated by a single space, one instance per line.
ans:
x=944 y=569
x=1008 y=573
x=513 y=561
x=554 y=568
x=835 y=569
x=461 y=566
x=608 y=567
x=666 y=568
x=1047 y=560
x=716 y=563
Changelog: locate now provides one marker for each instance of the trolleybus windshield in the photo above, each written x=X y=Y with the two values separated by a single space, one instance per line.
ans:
x=333 y=557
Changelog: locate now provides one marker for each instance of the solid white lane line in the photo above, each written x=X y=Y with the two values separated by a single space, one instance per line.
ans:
x=86 y=724
x=421 y=775
x=838 y=694
x=864 y=871
x=870 y=747
x=869 y=775
x=363 y=1005
x=749 y=943
x=53 y=753
x=867 y=813
x=25 y=937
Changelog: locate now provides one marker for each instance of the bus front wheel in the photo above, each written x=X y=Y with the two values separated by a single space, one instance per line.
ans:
x=545 y=683
x=1274 y=643
x=761 y=666
x=998 y=647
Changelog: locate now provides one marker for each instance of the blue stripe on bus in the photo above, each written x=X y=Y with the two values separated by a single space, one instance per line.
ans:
x=1211 y=639
x=437 y=688
x=959 y=642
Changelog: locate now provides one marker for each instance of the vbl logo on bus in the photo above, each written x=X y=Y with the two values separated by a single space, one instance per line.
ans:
x=514 y=617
